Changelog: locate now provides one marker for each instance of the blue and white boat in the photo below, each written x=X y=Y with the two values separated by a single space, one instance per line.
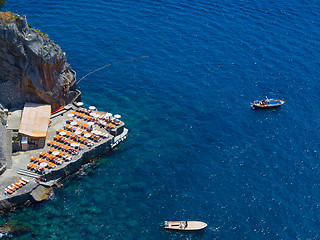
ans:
x=267 y=103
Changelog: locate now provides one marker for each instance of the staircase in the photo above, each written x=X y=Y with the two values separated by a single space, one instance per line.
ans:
x=28 y=173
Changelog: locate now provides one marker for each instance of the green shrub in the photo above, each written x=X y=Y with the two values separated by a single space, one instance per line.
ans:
x=2 y=3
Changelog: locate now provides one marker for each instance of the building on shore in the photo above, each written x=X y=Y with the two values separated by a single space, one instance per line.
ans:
x=33 y=126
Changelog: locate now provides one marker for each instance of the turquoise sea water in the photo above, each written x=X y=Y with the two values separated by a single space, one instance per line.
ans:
x=195 y=149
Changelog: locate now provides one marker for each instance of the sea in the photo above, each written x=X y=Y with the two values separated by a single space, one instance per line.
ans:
x=182 y=74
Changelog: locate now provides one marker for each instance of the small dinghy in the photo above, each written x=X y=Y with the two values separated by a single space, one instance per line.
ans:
x=268 y=103
x=184 y=225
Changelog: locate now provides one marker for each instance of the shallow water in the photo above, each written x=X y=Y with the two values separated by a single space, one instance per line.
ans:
x=195 y=149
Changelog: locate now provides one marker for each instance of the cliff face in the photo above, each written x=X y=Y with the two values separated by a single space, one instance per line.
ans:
x=32 y=67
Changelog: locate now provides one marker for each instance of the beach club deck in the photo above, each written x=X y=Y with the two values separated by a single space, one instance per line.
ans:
x=73 y=137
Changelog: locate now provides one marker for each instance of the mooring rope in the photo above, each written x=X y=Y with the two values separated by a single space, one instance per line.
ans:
x=109 y=64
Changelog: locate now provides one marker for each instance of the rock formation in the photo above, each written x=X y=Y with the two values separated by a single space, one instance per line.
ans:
x=32 y=67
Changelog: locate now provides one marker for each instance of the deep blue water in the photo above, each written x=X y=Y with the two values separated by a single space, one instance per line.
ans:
x=196 y=150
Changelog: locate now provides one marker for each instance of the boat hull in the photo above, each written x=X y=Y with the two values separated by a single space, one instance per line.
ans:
x=182 y=226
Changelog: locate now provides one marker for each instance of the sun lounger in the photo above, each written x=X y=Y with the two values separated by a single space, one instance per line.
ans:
x=23 y=182
x=31 y=166
x=58 y=161
x=18 y=184
x=40 y=170
x=24 y=179
x=51 y=150
x=44 y=154
x=97 y=138
x=68 y=133
x=73 y=136
x=57 y=138
x=61 y=153
x=9 y=191
x=43 y=161
x=59 y=145
x=51 y=157
x=110 y=125
x=51 y=165
x=74 y=151
x=35 y=159
x=90 y=143
x=15 y=185
x=52 y=143
x=67 y=157
x=12 y=188
x=60 y=130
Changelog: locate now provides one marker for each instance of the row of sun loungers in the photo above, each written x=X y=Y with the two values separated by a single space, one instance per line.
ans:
x=107 y=117
x=70 y=133
x=51 y=158
x=67 y=143
x=35 y=167
x=63 y=155
x=44 y=158
x=84 y=116
x=83 y=128
x=103 y=120
x=63 y=147
x=73 y=139
x=15 y=186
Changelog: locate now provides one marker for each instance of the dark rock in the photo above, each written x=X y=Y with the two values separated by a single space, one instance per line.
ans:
x=32 y=67
x=12 y=229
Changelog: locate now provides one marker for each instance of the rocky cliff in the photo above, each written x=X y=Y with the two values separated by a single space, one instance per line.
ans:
x=32 y=67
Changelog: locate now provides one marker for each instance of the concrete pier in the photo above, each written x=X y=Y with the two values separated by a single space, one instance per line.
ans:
x=37 y=191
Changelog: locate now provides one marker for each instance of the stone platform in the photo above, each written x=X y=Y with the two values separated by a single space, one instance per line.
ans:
x=37 y=191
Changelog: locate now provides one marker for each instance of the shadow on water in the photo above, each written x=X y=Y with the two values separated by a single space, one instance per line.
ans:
x=169 y=234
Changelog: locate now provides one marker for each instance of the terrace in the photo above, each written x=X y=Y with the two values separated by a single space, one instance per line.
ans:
x=73 y=137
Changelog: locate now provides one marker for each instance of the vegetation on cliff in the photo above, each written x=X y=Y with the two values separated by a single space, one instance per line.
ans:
x=2 y=3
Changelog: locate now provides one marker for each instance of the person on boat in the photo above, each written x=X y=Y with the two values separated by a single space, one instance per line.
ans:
x=181 y=225
x=263 y=103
